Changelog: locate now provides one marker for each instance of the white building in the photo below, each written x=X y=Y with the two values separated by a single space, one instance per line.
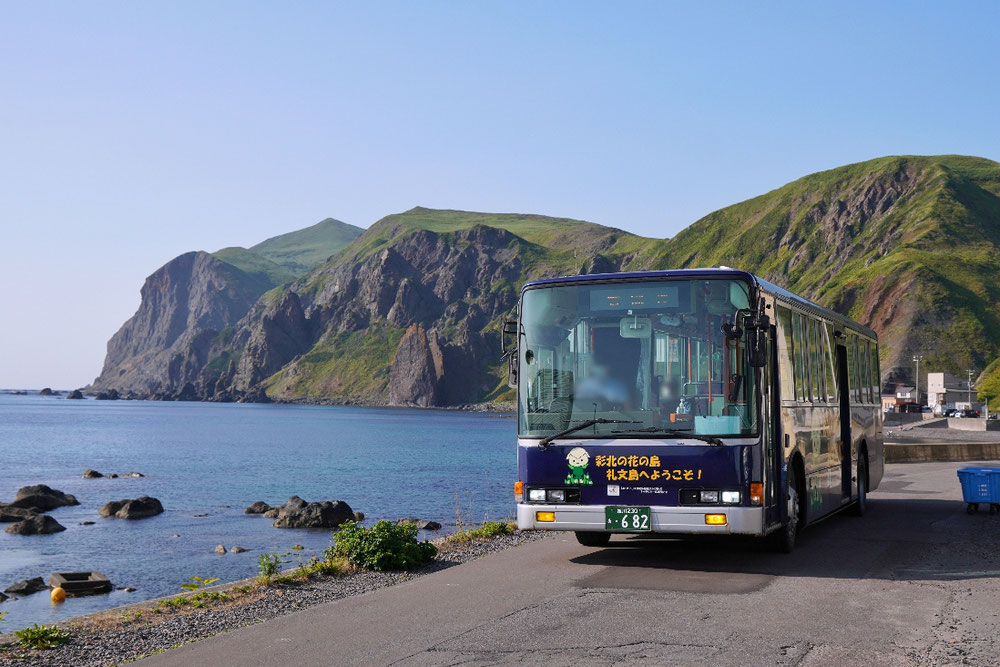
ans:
x=946 y=391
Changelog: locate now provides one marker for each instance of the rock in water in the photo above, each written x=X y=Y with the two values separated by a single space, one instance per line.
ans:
x=258 y=507
x=422 y=524
x=91 y=474
x=140 y=508
x=325 y=514
x=76 y=394
x=2 y=597
x=27 y=587
x=272 y=513
x=41 y=524
x=86 y=523
x=46 y=392
x=220 y=549
x=359 y=516
x=8 y=514
x=111 y=395
x=237 y=550
x=42 y=498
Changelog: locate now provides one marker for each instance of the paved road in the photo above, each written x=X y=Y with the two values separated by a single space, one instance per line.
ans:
x=916 y=581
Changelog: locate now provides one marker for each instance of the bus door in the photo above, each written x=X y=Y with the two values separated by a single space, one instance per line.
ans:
x=843 y=387
x=772 y=435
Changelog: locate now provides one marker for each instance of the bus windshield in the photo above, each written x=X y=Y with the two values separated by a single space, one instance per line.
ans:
x=647 y=357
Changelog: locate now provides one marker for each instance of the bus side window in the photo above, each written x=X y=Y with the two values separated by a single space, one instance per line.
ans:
x=801 y=360
x=827 y=341
x=856 y=371
x=876 y=373
x=786 y=355
x=815 y=389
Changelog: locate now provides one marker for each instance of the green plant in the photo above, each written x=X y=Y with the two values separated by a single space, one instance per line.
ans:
x=268 y=565
x=488 y=531
x=2 y=614
x=384 y=546
x=42 y=636
x=198 y=583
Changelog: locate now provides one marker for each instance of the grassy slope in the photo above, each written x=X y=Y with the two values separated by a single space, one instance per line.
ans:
x=946 y=248
x=255 y=265
x=302 y=250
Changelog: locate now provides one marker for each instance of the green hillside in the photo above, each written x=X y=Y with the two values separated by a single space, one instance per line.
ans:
x=255 y=265
x=544 y=231
x=300 y=251
x=908 y=245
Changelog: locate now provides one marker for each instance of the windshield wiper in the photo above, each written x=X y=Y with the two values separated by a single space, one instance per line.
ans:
x=544 y=442
x=711 y=439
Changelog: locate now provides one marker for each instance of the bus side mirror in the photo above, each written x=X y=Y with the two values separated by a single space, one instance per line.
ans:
x=756 y=328
x=512 y=369
x=509 y=328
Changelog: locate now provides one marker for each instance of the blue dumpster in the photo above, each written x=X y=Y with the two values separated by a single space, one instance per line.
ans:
x=980 y=485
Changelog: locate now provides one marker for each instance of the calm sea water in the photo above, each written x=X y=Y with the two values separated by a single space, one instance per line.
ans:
x=206 y=462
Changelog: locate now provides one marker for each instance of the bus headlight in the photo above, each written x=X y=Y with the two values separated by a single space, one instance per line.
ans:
x=731 y=497
x=557 y=495
x=536 y=495
x=709 y=496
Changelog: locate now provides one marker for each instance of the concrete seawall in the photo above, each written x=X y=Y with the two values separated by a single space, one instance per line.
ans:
x=916 y=452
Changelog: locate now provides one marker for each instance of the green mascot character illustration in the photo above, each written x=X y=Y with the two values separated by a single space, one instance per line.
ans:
x=578 y=459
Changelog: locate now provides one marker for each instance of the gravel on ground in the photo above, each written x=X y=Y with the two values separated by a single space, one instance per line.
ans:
x=124 y=635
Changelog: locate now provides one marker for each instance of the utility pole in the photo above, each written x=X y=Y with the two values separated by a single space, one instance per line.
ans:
x=916 y=380
x=970 y=371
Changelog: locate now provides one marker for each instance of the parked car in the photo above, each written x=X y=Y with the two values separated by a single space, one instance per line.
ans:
x=968 y=414
x=951 y=413
x=926 y=409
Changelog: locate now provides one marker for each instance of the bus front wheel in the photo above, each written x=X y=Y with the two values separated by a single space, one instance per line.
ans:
x=784 y=538
x=592 y=539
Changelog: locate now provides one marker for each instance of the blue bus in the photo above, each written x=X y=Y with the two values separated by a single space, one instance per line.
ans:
x=689 y=402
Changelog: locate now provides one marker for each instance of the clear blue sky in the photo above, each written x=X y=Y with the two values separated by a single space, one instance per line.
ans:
x=133 y=131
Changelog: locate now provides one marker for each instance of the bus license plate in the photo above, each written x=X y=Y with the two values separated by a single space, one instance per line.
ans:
x=627 y=518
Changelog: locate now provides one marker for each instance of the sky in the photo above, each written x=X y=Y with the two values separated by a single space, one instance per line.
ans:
x=131 y=132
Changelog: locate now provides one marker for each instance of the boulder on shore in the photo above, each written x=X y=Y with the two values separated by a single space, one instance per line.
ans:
x=422 y=524
x=297 y=513
x=27 y=587
x=110 y=395
x=41 y=524
x=91 y=474
x=41 y=498
x=9 y=514
x=258 y=507
x=76 y=394
x=140 y=508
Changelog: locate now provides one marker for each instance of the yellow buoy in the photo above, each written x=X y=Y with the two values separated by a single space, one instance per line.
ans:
x=58 y=594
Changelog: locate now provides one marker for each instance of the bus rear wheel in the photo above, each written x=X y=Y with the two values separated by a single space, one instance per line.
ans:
x=592 y=539
x=860 y=505
x=783 y=539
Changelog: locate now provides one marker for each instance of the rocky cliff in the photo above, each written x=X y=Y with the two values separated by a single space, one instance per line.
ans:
x=408 y=312
x=187 y=305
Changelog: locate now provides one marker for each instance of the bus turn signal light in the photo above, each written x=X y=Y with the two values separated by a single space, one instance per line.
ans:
x=545 y=517
x=715 y=519
x=756 y=493
x=518 y=491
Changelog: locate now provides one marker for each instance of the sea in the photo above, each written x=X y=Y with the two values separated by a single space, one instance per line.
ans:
x=206 y=462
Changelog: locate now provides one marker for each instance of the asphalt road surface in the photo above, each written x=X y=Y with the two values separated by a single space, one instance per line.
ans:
x=916 y=581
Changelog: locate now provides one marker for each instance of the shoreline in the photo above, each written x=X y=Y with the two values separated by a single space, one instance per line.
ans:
x=133 y=631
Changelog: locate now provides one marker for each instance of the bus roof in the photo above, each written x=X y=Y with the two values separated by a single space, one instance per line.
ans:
x=768 y=287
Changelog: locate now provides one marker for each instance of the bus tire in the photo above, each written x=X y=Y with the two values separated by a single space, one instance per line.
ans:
x=592 y=539
x=784 y=537
x=860 y=506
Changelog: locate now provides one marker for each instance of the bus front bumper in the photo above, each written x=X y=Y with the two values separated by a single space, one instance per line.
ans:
x=669 y=520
